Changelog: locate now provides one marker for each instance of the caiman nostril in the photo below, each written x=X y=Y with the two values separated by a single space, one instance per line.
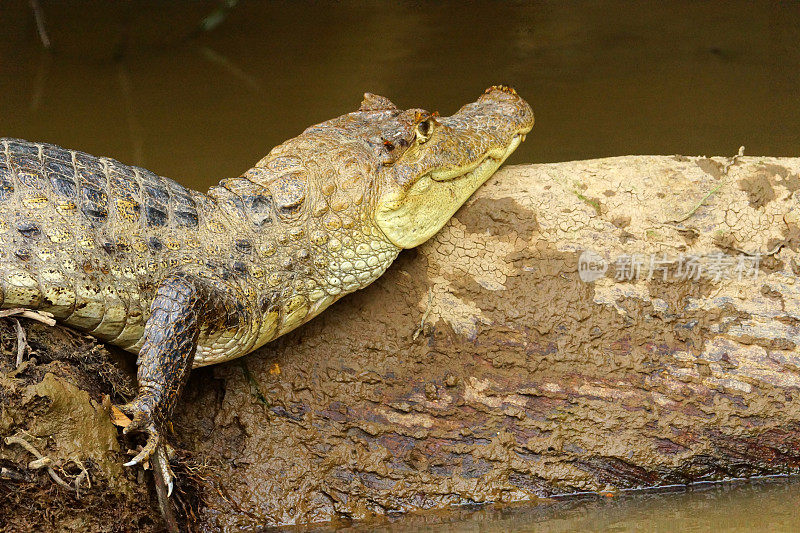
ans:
x=502 y=87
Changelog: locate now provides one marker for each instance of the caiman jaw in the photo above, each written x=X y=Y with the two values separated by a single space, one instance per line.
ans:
x=492 y=160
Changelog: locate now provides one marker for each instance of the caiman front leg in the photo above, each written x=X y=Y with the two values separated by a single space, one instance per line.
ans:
x=182 y=305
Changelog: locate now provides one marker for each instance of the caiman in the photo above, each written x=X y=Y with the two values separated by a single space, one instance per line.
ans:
x=186 y=279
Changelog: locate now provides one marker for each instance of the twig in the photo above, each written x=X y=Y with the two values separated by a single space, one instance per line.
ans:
x=40 y=316
x=163 y=495
x=253 y=384
x=22 y=341
x=121 y=48
x=40 y=462
x=775 y=249
x=218 y=16
x=37 y=14
x=31 y=361
x=134 y=128
x=219 y=59
x=84 y=475
x=422 y=320
x=713 y=191
x=40 y=81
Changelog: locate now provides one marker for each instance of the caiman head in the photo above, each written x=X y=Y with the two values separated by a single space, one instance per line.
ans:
x=438 y=162
x=406 y=172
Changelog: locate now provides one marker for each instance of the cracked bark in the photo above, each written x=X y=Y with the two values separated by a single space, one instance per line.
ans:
x=481 y=368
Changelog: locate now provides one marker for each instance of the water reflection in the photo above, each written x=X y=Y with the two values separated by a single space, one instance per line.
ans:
x=138 y=81
x=767 y=505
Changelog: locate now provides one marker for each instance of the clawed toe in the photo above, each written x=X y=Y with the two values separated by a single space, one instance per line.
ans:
x=155 y=449
x=161 y=463
x=141 y=421
x=153 y=441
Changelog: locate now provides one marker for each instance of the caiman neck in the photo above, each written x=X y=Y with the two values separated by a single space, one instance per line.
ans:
x=309 y=244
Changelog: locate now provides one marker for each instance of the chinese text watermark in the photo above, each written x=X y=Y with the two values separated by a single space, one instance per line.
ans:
x=633 y=267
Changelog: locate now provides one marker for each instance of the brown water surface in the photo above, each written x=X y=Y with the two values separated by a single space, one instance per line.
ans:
x=767 y=505
x=139 y=82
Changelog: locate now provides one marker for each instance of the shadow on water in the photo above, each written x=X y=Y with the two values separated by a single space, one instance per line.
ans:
x=143 y=82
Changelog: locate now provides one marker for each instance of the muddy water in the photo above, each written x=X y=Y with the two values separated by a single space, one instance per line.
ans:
x=140 y=82
x=133 y=80
x=743 y=508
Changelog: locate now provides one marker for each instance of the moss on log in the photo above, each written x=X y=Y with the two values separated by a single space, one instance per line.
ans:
x=585 y=326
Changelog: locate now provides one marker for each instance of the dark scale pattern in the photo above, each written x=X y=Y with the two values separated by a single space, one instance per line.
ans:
x=23 y=253
x=156 y=199
x=31 y=177
x=29 y=229
x=156 y=215
x=6 y=184
x=94 y=204
x=63 y=185
x=260 y=207
x=244 y=246
x=87 y=215
x=186 y=218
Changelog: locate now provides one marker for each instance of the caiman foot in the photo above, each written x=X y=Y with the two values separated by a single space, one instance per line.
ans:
x=165 y=360
x=154 y=449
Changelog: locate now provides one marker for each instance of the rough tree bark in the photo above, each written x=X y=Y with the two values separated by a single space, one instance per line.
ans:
x=482 y=368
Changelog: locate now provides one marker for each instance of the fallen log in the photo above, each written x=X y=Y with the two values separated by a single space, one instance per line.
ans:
x=586 y=326
x=482 y=367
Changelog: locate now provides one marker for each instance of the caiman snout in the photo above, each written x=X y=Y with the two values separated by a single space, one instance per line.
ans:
x=481 y=133
x=499 y=112
x=506 y=101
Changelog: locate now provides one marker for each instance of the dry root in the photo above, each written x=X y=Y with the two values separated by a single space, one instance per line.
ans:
x=42 y=461
x=22 y=339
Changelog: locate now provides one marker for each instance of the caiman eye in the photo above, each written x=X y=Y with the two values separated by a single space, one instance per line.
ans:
x=424 y=130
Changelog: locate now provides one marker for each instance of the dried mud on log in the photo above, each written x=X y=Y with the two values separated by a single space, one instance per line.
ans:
x=480 y=368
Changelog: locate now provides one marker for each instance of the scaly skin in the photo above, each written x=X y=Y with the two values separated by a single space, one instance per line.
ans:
x=186 y=279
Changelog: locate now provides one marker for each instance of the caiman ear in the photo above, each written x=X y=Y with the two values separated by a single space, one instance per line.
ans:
x=373 y=102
